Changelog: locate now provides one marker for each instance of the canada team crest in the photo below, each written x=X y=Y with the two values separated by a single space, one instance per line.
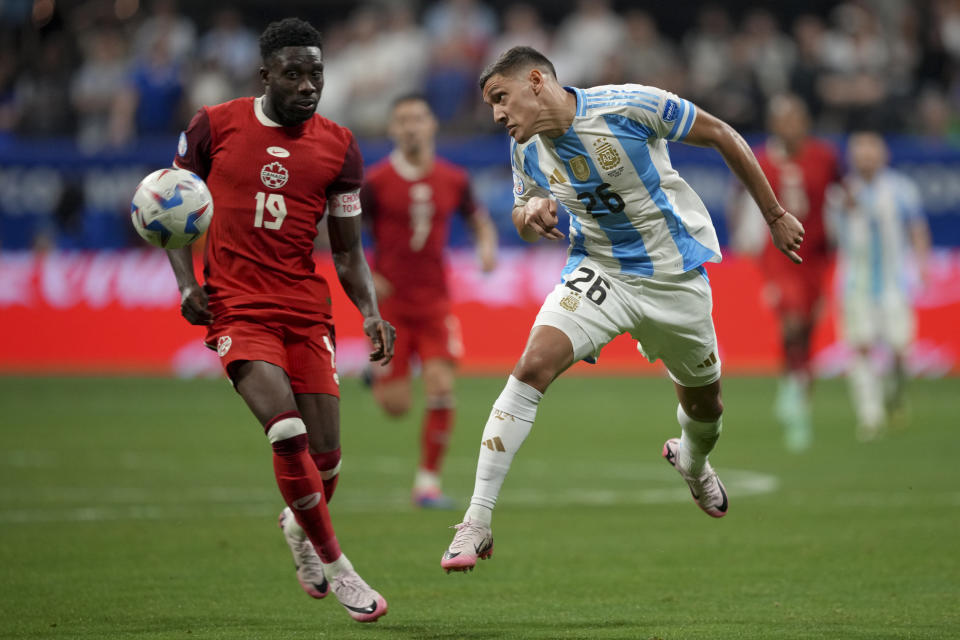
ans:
x=223 y=345
x=274 y=175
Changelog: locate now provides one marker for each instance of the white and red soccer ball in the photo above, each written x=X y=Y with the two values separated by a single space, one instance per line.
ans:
x=171 y=208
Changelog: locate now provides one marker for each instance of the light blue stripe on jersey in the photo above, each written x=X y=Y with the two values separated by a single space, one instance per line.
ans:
x=531 y=166
x=626 y=131
x=577 y=251
x=598 y=93
x=685 y=117
x=621 y=103
x=626 y=242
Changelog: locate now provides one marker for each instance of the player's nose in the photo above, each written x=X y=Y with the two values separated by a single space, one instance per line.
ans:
x=499 y=115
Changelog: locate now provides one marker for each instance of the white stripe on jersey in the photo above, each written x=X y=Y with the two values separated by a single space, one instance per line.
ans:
x=631 y=211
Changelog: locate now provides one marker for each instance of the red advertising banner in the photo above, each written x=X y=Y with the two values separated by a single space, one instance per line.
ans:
x=117 y=312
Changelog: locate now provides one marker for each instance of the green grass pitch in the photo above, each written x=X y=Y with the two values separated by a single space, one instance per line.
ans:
x=146 y=508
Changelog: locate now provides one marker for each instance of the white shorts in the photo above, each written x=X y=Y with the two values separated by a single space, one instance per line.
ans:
x=868 y=320
x=669 y=316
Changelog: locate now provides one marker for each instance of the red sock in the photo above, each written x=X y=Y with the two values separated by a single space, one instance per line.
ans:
x=434 y=437
x=302 y=489
x=328 y=464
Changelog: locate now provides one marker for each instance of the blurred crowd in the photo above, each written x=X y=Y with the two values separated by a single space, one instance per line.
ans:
x=110 y=71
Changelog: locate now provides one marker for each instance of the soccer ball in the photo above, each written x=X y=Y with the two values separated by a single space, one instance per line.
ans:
x=171 y=208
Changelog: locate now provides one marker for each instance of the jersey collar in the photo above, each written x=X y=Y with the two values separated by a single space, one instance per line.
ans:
x=404 y=169
x=261 y=116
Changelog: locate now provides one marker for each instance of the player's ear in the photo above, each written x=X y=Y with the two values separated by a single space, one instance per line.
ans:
x=264 y=74
x=535 y=78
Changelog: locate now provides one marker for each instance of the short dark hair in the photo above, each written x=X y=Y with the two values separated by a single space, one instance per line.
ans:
x=289 y=32
x=411 y=96
x=514 y=59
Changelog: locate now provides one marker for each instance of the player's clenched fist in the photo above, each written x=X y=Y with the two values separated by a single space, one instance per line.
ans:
x=787 y=235
x=538 y=218
x=382 y=335
x=193 y=306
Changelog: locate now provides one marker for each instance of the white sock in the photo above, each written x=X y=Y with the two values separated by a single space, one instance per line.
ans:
x=697 y=440
x=866 y=387
x=506 y=429
x=426 y=480
x=336 y=567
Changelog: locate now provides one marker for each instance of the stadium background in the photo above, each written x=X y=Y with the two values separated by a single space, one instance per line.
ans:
x=92 y=95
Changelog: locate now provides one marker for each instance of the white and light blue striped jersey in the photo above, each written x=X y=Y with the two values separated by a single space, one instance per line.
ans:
x=631 y=212
x=874 y=236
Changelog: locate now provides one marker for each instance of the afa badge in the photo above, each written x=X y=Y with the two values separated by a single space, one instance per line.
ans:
x=670 y=111
x=570 y=302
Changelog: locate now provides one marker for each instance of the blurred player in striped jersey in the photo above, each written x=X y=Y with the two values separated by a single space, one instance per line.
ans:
x=639 y=239
x=878 y=222
x=411 y=197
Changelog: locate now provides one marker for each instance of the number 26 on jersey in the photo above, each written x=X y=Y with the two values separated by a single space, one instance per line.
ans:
x=272 y=204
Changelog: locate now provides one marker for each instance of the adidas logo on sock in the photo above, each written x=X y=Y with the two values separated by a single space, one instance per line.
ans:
x=494 y=444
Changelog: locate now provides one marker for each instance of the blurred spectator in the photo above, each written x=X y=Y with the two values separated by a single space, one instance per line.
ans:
x=386 y=57
x=521 y=25
x=460 y=33
x=166 y=23
x=809 y=33
x=42 y=91
x=150 y=104
x=708 y=52
x=771 y=52
x=231 y=48
x=648 y=58
x=854 y=89
x=586 y=40
x=936 y=121
x=8 y=75
x=102 y=75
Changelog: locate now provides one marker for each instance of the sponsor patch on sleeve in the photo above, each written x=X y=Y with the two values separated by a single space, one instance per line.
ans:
x=518 y=187
x=182 y=144
x=670 y=111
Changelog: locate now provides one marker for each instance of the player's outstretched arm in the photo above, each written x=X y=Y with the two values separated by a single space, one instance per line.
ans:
x=537 y=219
x=709 y=131
x=484 y=238
x=193 y=299
x=354 y=274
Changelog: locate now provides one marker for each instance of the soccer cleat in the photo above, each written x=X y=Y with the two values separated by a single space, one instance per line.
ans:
x=305 y=558
x=707 y=490
x=432 y=499
x=361 y=602
x=471 y=541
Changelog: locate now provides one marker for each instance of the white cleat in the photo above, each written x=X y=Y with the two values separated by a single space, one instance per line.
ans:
x=305 y=558
x=707 y=490
x=361 y=602
x=472 y=540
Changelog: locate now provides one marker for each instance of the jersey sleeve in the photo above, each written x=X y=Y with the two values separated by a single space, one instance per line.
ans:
x=528 y=179
x=351 y=173
x=660 y=113
x=193 y=148
x=468 y=204
x=909 y=201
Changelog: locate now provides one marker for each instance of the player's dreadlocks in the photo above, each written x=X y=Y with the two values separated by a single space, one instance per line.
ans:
x=514 y=59
x=289 y=32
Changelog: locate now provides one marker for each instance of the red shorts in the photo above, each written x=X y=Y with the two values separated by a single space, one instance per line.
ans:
x=794 y=288
x=429 y=337
x=301 y=345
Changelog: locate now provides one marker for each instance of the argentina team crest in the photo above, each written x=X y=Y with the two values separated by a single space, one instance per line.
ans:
x=607 y=156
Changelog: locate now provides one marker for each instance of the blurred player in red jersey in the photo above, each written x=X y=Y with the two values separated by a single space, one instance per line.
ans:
x=411 y=197
x=800 y=169
x=274 y=166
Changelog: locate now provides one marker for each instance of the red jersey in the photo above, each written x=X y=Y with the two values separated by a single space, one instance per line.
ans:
x=270 y=186
x=800 y=183
x=411 y=225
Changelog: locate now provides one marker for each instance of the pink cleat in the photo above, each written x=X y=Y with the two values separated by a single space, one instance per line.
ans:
x=361 y=602
x=707 y=490
x=472 y=540
x=305 y=558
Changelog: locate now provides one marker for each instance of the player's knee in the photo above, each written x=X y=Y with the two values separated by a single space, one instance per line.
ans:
x=536 y=370
x=287 y=433
x=705 y=409
x=395 y=406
